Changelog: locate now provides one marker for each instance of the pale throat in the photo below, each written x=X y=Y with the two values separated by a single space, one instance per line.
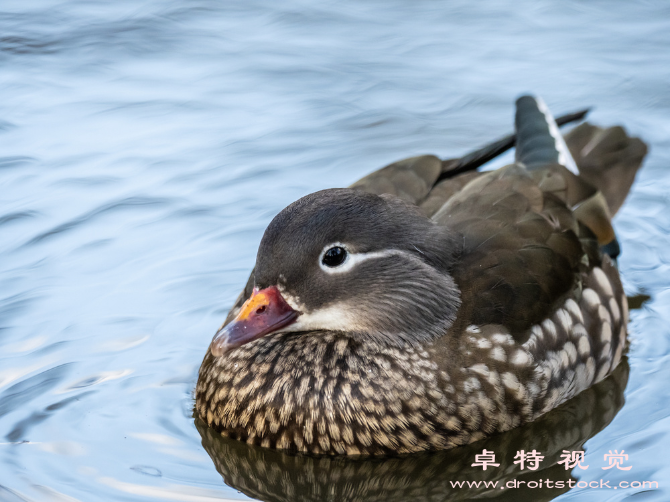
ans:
x=336 y=317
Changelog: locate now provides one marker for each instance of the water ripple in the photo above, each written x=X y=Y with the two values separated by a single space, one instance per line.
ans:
x=126 y=203
x=21 y=393
x=146 y=144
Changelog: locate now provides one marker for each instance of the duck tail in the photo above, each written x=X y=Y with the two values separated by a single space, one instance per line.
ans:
x=602 y=163
x=538 y=140
x=608 y=158
x=605 y=158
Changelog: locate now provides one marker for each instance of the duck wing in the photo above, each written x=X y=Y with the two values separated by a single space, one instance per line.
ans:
x=532 y=231
x=542 y=301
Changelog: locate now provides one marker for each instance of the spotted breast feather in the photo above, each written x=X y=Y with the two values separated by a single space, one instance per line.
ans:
x=430 y=305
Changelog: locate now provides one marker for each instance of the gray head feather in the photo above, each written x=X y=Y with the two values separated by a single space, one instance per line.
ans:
x=401 y=292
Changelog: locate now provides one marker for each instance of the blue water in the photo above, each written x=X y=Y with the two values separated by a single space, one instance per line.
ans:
x=145 y=145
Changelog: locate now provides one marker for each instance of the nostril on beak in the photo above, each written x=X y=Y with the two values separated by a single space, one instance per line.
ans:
x=260 y=309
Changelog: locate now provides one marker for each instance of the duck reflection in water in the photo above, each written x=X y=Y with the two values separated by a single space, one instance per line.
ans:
x=272 y=475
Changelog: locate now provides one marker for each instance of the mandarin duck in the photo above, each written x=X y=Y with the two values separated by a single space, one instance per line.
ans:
x=430 y=305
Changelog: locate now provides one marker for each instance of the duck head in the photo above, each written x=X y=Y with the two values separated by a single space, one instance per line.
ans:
x=344 y=260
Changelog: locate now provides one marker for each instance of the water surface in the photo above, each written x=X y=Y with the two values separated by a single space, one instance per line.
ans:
x=145 y=145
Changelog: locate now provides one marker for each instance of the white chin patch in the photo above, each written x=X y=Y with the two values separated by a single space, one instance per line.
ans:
x=334 y=318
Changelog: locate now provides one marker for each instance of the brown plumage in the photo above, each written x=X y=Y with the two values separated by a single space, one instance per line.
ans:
x=420 y=311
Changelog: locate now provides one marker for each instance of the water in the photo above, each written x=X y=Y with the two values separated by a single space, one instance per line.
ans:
x=144 y=147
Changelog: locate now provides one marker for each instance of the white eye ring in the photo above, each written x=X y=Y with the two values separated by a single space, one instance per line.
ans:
x=341 y=267
x=334 y=257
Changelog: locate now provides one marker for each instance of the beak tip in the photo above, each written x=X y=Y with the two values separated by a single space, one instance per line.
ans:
x=221 y=343
x=263 y=313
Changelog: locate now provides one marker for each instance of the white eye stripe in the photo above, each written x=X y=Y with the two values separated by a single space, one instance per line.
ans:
x=352 y=259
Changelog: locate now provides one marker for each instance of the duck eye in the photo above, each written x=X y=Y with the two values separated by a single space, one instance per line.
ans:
x=334 y=257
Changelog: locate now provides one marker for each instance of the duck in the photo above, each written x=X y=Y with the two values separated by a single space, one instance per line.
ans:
x=430 y=305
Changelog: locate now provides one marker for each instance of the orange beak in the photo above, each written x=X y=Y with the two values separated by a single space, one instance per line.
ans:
x=265 y=312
